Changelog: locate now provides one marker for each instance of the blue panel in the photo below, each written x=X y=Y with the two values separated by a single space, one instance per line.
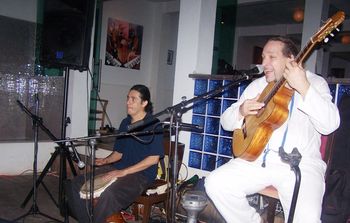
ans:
x=209 y=162
x=231 y=92
x=222 y=160
x=343 y=90
x=225 y=147
x=210 y=144
x=214 y=84
x=195 y=159
x=207 y=113
x=225 y=133
x=214 y=107
x=333 y=88
x=196 y=141
x=200 y=87
x=243 y=85
x=199 y=107
x=212 y=126
x=198 y=120
x=226 y=104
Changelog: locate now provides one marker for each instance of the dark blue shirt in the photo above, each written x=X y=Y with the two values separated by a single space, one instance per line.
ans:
x=135 y=151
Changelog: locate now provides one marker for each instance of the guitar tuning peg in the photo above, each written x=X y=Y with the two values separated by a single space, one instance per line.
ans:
x=331 y=34
x=337 y=29
x=326 y=40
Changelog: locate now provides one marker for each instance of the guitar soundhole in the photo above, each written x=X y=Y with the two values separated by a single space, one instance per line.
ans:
x=244 y=129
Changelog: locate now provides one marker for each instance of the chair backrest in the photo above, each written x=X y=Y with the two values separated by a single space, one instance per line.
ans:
x=169 y=149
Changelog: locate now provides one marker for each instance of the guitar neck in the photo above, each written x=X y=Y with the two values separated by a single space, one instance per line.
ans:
x=305 y=52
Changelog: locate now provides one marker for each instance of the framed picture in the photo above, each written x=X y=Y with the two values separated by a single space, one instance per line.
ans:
x=169 y=59
x=123 y=45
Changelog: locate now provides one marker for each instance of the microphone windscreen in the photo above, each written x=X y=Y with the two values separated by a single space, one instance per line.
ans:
x=260 y=68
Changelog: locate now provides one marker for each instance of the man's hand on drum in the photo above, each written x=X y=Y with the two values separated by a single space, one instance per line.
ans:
x=101 y=161
x=114 y=174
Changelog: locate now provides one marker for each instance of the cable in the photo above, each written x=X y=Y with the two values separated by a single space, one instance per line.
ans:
x=153 y=131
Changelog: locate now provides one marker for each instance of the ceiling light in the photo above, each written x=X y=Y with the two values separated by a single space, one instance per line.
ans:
x=345 y=39
x=298 y=15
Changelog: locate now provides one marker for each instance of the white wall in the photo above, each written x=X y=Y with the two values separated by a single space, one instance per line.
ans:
x=194 y=55
x=166 y=72
x=116 y=81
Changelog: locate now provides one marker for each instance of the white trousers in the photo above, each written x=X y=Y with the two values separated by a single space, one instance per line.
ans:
x=228 y=186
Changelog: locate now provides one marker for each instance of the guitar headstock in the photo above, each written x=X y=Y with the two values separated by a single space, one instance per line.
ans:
x=330 y=25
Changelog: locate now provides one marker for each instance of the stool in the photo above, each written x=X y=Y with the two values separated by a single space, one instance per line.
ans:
x=271 y=194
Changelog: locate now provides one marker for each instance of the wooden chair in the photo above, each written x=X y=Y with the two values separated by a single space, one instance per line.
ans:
x=271 y=193
x=149 y=200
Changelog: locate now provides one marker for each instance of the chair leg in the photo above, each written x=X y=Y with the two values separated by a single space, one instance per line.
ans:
x=135 y=210
x=146 y=213
x=271 y=209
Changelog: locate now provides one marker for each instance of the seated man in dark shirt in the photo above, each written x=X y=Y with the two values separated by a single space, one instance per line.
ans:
x=133 y=163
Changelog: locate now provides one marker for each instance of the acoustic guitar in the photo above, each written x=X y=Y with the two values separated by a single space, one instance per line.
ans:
x=249 y=141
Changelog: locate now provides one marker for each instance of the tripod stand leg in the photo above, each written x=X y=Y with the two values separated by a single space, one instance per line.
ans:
x=40 y=178
x=34 y=210
x=64 y=156
x=49 y=193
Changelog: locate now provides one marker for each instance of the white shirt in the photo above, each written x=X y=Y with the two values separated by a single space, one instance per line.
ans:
x=312 y=116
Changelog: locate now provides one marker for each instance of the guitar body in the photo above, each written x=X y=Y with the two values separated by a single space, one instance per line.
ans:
x=249 y=142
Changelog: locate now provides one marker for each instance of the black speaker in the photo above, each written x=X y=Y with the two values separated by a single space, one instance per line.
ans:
x=66 y=33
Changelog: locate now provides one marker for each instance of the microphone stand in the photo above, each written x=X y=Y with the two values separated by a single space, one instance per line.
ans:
x=92 y=143
x=34 y=210
x=175 y=112
x=61 y=150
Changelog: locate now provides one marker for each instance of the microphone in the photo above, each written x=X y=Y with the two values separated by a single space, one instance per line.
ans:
x=76 y=156
x=141 y=123
x=186 y=126
x=255 y=71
